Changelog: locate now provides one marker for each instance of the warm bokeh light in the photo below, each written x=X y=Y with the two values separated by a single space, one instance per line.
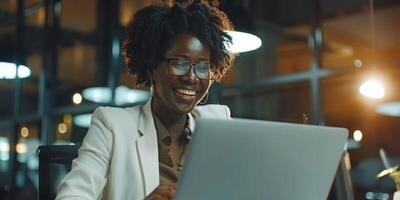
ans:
x=373 y=89
x=357 y=135
x=24 y=132
x=77 y=98
x=67 y=118
x=357 y=63
x=21 y=148
x=62 y=128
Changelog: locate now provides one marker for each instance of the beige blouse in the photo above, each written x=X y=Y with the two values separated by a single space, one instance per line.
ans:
x=169 y=147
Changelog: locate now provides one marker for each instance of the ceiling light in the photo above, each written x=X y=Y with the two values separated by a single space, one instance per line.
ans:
x=97 y=94
x=390 y=109
x=372 y=89
x=62 y=128
x=82 y=120
x=357 y=63
x=77 y=98
x=24 y=132
x=242 y=42
x=7 y=71
x=123 y=95
x=357 y=135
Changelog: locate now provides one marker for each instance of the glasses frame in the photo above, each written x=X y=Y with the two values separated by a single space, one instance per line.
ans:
x=192 y=66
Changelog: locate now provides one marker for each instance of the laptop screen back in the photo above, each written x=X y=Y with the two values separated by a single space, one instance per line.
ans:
x=251 y=159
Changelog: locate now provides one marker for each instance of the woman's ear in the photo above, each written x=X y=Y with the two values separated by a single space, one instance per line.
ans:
x=151 y=85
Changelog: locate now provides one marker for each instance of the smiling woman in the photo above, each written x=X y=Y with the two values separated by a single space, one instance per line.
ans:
x=138 y=153
x=177 y=93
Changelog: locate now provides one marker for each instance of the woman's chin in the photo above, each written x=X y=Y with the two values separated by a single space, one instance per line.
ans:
x=183 y=108
x=184 y=104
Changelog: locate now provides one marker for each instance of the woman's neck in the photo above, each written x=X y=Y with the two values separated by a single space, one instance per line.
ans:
x=168 y=117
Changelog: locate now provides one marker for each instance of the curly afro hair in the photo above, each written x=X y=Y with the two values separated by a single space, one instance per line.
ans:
x=153 y=28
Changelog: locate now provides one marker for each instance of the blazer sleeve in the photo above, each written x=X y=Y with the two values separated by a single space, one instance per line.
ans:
x=227 y=112
x=89 y=170
x=212 y=111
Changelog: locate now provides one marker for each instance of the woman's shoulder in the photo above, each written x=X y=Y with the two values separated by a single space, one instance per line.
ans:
x=111 y=112
x=212 y=111
x=113 y=117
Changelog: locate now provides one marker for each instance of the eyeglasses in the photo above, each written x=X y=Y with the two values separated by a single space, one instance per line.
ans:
x=179 y=67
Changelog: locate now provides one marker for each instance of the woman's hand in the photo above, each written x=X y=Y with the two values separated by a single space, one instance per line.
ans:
x=163 y=192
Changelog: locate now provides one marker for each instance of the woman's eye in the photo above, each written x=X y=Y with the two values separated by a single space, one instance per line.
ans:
x=177 y=62
x=203 y=66
x=182 y=65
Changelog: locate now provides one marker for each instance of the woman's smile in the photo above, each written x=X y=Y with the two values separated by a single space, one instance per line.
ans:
x=181 y=93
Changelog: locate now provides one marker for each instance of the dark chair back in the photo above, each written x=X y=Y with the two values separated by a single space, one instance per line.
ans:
x=48 y=155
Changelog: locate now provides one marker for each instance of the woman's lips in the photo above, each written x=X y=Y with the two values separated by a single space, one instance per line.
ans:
x=186 y=91
x=185 y=94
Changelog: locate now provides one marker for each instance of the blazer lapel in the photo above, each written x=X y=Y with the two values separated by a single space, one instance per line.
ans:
x=148 y=149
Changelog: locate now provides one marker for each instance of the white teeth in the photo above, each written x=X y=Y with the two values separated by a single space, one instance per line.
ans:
x=186 y=92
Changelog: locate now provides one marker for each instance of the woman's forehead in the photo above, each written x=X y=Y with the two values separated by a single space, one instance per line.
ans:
x=194 y=44
x=188 y=44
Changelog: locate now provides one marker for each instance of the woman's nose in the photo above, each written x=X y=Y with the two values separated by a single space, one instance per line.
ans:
x=191 y=75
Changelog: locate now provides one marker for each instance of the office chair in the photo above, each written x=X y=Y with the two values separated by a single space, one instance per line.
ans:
x=49 y=155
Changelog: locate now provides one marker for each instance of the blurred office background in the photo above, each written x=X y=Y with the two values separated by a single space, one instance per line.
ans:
x=314 y=57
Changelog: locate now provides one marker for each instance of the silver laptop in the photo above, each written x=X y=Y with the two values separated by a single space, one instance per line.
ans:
x=243 y=159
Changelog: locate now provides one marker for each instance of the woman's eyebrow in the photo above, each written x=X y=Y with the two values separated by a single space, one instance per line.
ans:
x=185 y=57
x=180 y=56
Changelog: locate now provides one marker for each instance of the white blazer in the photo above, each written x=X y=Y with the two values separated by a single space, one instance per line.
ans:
x=118 y=159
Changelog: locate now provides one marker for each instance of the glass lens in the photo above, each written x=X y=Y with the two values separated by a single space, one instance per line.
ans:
x=178 y=67
x=202 y=70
